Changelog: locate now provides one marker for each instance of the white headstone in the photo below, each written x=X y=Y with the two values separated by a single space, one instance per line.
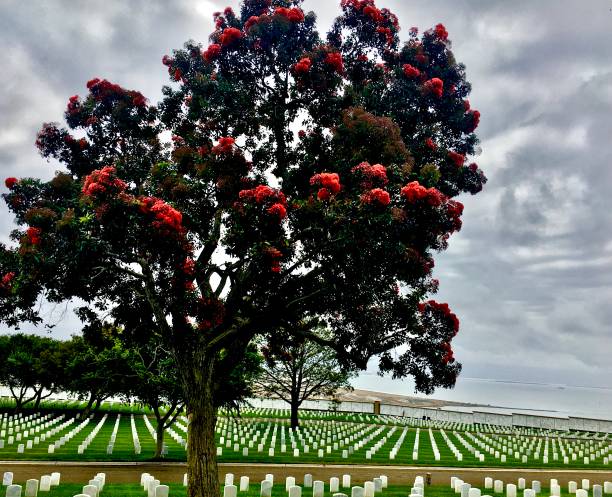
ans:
x=572 y=486
x=581 y=492
x=162 y=491
x=307 y=480
x=368 y=489
x=31 y=489
x=295 y=491
x=510 y=490
x=521 y=483
x=586 y=484
x=90 y=490
x=488 y=482
x=55 y=478
x=185 y=480
x=498 y=486
x=334 y=484
x=7 y=479
x=608 y=487
x=229 y=479
x=289 y=482
x=346 y=481
x=536 y=486
x=318 y=488
x=474 y=492
x=357 y=492
x=13 y=491
x=529 y=492
x=597 y=491
x=244 y=483
x=265 y=489
x=45 y=483
x=230 y=491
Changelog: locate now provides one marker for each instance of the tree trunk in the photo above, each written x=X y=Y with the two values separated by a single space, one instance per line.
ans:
x=38 y=398
x=97 y=406
x=295 y=405
x=87 y=409
x=203 y=479
x=160 y=439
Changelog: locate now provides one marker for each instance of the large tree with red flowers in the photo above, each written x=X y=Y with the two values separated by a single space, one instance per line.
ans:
x=308 y=183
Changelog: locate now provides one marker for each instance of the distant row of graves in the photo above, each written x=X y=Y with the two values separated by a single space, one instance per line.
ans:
x=262 y=435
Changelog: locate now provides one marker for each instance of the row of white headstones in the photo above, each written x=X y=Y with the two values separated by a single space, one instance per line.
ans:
x=347 y=437
x=369 y=488
x=522 y=449
x=234 y=435
x=46 y=482
x=464 y=489
x=422 y=423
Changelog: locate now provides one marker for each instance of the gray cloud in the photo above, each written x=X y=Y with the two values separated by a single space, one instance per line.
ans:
x=530 y=274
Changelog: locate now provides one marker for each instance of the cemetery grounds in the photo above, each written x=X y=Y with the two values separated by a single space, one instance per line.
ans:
x=119 y=442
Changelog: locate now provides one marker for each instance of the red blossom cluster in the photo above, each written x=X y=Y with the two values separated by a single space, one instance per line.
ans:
x=430 y=144
x=440 y=32
x=250 y=22
x=411 y=72
x=225 y=145
x=167 y=219
x=421 y=58
x=373 y=13
x=11 y=182
x=443 y=308
x=329 y=183
x=278 y=210
x=229 y=36
x=334 y=60
x=6 y=282
x=274 y=255
x=414 y=192
x=372 y=174
x=211 y=313
x=294 y=14
x=454 y=209
x=212 y=52
x=448 y=353
x=376 y=196
x=73 y=104
x=103 y=182
x=33 y=235
x=263 y=194
x=382 y=18
x=435 y=86
x=303 y=66
x=102 y=89
x=188 y=267
x=473 y=121
x=456 y=158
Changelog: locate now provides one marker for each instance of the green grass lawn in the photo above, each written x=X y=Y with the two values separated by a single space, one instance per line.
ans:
x=317 y=426
x=177 y=490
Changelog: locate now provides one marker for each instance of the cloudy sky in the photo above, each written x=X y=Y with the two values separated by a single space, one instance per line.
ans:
x=530 y=274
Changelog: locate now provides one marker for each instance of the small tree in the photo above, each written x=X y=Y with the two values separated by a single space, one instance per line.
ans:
x=240 y=227
x=296 y=369
x=155 y=383
x=95 y=370
x=28 y=367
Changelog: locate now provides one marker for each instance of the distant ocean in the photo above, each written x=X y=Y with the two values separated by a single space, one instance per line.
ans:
x=508 y=396
x=503 y=396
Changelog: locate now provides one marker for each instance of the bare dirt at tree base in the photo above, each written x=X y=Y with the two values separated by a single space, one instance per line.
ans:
x=398 y=475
